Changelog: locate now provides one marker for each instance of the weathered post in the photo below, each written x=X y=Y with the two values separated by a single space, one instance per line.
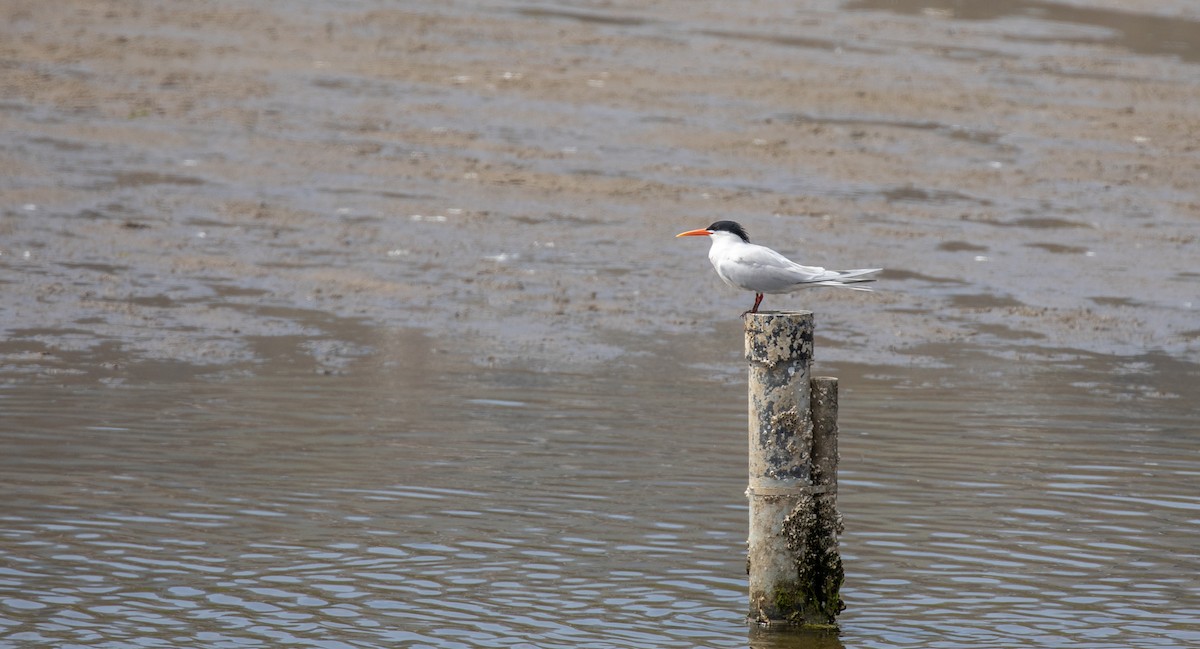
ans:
x=795 y=571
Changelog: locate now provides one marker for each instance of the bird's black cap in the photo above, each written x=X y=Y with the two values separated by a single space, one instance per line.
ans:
x=730 y=226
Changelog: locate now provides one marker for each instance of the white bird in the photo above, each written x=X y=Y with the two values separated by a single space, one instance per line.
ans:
x=752 y=267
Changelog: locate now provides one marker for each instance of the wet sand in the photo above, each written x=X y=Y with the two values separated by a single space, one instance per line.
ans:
x=364 y=323
x=508 y=176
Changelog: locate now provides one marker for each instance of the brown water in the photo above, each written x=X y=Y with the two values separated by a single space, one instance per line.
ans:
x=363 y=326
x=418 y=500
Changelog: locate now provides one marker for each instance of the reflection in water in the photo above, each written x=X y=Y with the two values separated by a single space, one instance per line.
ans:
x=769 y=638
x=1138 y=33
x=419 y=501
x=327 y=484
x=379 y=507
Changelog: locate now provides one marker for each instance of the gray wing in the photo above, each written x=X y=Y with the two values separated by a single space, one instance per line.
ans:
x=763 y=270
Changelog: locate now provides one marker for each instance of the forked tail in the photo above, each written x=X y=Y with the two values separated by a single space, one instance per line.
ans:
x=845 y=278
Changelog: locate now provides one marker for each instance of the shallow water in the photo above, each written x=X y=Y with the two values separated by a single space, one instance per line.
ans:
x=419 y=500
x=362 y=325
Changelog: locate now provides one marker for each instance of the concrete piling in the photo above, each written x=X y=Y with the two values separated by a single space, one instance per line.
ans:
x=792 y=560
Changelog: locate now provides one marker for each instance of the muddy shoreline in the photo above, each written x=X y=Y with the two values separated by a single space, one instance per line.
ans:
x=365 y=323
x=181 y=183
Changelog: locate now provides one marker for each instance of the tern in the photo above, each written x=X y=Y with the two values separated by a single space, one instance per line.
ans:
x=752 y=267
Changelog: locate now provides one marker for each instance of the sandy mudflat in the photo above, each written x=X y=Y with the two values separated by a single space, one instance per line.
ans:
x=188 y=180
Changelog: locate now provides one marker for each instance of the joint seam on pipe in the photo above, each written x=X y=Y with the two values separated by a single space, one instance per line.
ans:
x=797 y=490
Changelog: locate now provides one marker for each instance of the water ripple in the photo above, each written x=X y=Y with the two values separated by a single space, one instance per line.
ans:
x=1065 y=526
